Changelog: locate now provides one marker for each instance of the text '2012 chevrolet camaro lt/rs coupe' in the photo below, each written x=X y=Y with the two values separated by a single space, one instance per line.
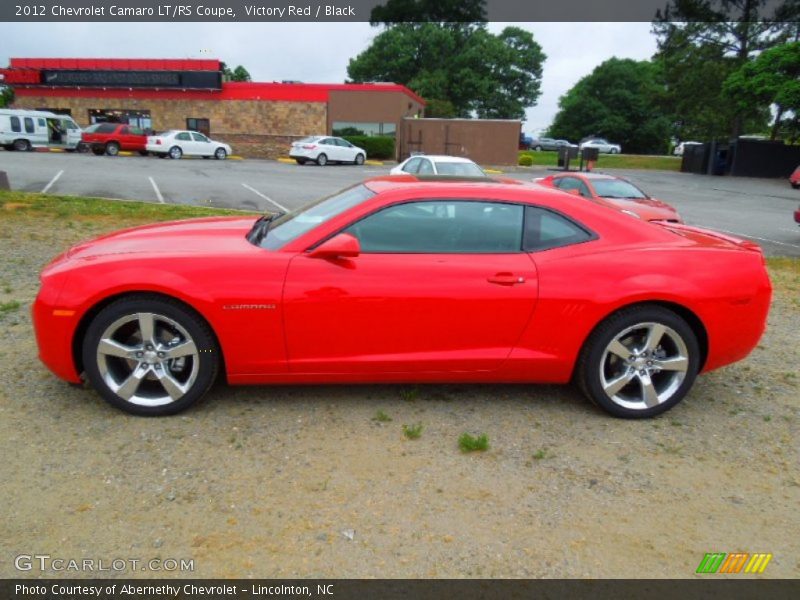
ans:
x=401 y=280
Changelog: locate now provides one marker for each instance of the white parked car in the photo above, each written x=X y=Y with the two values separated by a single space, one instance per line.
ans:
x=682 y=146
x=438 y=165
x=176 y=143
x=603 y=146
x=325 y=149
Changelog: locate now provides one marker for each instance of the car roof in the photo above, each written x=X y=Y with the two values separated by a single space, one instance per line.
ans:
x=444 y=158
x=589 y=175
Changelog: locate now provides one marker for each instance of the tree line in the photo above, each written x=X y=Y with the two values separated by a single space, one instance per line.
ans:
x=722 y=68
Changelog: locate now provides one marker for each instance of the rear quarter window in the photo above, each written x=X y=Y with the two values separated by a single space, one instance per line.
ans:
x=546 y=229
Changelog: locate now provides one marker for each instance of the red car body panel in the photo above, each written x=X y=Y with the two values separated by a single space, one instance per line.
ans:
x=282 y=316
x=121 y=135
x=794 y=178
x=649 y=209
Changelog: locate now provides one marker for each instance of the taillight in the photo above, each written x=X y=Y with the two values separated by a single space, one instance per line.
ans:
x=158 y=142
x=309 y=146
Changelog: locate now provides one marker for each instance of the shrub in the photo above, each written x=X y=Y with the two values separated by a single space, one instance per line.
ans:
x=377 y=146
x=468 y=443
x=525 y=160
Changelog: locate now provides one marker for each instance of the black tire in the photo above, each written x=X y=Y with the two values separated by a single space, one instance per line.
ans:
x=537 y=148
x=98 y=150
x=630 y=327
x=175 y=152
x=220 y=154
x=112 y=148
x=796 y=186
x=144 y=153
x=322 y=160
x=22 y=146
x=82 y=147
x=120 y=322
x=300 y=161
x=359 y=159
x=614 y=151
x=161 y=155
x=9 y=147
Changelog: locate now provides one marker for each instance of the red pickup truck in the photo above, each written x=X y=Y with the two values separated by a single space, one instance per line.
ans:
x=110 y=138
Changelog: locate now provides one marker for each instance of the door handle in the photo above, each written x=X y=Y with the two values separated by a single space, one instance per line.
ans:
x=506 y=279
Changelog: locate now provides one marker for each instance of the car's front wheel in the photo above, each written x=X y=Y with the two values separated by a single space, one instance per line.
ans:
x=150 y=356
x=175 y=152
x=639 y=362
x=220 y=154
x=359 y=159
x=613 y=151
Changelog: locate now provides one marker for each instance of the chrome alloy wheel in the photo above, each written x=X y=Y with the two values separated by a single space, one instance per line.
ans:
x=147 y=359
x=644 y=366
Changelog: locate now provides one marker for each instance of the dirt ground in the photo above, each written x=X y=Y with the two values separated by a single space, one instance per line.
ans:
x=306 y=482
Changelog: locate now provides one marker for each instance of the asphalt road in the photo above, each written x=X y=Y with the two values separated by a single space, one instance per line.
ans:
x=759 y=209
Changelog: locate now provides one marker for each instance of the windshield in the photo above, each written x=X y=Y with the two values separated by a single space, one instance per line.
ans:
x=617 y=188
x=458 y=168
x=292 y=225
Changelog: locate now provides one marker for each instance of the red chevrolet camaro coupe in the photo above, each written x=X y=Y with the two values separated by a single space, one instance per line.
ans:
x=405 y=281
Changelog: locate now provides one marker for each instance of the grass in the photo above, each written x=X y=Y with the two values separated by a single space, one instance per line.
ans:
x=469 y=443
x=76 y=208
x=541 y=454
x=610 y=161
x=6 y=307
x=412 y=432
x=381 y=417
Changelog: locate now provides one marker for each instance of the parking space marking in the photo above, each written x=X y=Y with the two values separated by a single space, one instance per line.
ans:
x=267 y=198
x=760 y=239
x=158 y=192
x=52 y=181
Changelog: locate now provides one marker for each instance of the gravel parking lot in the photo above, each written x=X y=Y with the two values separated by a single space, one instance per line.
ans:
x=307 y=482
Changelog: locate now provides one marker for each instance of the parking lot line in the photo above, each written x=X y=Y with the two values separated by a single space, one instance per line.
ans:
x=760 y=239
x=158 y=192
x=52 y=181
x=267 y=198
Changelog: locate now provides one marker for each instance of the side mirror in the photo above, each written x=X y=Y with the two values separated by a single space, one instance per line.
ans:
x=343 y=245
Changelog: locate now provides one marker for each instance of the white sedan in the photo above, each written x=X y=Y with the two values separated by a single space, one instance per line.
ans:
x=603 y=146
x=325 y=149
x=438 y=165
x=176 y=143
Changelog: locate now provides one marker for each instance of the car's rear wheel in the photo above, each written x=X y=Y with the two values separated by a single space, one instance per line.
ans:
x=150 y=356
x=112 y=148
x=143 y=153
x=359 y=159
x=175 y=152
x=639 y=362
x=322 y=160
x=22 y=145
x=98 y=150
x=220 y=154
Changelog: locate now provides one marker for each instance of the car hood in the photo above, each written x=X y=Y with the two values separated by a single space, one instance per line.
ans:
x=648 y=209
x=217 y=235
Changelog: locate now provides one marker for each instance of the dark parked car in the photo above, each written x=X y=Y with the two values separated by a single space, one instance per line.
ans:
x=110 y=138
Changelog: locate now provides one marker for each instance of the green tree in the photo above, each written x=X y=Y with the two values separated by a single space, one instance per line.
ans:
x=770 y=80
x=237 y=74
x=6 y=96
x=476 y=72
x=701 y=42
x=621 y=100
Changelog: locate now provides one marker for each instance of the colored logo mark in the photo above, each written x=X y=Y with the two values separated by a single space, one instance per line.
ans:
x=736 y=562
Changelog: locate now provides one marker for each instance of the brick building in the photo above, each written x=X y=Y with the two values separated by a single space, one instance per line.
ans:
x=257 y=119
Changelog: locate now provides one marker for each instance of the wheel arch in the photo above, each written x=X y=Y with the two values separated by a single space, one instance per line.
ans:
x=89 y=315
x=691 y=318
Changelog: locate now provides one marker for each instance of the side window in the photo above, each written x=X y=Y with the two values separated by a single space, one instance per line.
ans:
x=425 y=167
x=29 y=125
x=327 y=142
x=545 y=229
x=124 y=130
x=442 y=227
x=42 y=123
x=199 y=137
x=136 y=131
x=183 y=136
x=412 y=165
x=15 y=125
x=106 y=128
x=572 y=183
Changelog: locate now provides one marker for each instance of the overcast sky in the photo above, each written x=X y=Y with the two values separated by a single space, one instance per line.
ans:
x=315 y=52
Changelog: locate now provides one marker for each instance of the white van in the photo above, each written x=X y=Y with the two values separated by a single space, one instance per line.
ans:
x=27 y=129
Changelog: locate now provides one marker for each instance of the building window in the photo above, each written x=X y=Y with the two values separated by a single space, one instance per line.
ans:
x=137 y=118
x=201 y=125
x=349 y=128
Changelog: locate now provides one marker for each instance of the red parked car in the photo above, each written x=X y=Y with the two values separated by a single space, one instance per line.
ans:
x=404 y=281
x=110 y=138
x=614 y=192
x=794 y=178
